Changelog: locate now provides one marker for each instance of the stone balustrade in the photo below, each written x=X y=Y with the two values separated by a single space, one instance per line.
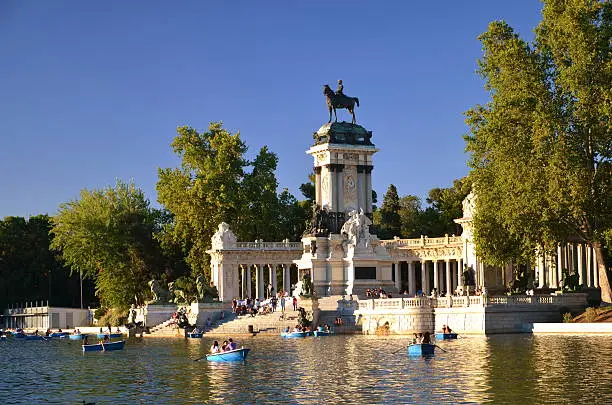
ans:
x=567 y=300
x=423 y=241
x=269 y=245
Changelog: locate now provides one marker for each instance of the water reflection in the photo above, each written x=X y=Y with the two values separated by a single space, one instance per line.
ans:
x=338 y=369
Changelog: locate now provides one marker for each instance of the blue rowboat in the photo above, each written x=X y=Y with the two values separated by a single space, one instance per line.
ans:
x=104 y=347
x=323 y=333
x=34 y=337
x=79 y=336
x=3 y=337
x=58 y=334
x=289 y=335
x=446 y=336
x=19 y=335
x=110 y=335
x=232 y=355
x=194 y=335
x=421 y=349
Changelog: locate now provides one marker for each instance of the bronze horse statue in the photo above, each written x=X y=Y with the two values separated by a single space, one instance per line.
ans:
x=339 y=100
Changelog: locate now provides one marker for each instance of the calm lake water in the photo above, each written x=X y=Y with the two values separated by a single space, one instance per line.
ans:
x=508 y=369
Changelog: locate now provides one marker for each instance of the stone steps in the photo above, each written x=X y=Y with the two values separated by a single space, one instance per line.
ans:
x=268 y=323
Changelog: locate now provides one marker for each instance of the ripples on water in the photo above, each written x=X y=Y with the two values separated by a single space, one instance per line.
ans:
x=505 y=369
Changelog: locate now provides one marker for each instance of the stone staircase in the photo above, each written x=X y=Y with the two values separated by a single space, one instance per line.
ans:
x=273 y=323
x=167 y=328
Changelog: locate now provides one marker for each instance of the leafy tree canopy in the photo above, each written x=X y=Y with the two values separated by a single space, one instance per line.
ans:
x=107 y=235
x=540 y=148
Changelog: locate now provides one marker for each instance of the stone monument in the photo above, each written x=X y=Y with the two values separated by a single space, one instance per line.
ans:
x=347 y=259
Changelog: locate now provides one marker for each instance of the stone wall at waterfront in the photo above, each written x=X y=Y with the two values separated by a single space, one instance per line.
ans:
x=468 y=315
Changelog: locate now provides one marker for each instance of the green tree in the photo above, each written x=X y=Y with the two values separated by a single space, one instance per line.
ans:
x=205 y=191
x=540 y=149
x=410 y=217
x=260 y=197
x=389 y=215
x=107 y=235
x=216 y=183
x=30 y=271
x=447 y=203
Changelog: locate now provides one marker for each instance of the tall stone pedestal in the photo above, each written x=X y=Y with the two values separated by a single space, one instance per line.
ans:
x=338 y=267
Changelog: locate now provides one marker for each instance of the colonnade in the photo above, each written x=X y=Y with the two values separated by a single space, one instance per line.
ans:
x=444 y=275
x=261 y=281
x=576 y=258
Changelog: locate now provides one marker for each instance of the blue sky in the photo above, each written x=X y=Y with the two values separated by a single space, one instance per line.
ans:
x=93 y=91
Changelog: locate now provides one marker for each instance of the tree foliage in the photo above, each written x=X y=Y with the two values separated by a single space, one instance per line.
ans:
x=216 y=183
x=540 y=149
x=405 y=216
x=390 y=221
x=107 y=235
x=30 y=271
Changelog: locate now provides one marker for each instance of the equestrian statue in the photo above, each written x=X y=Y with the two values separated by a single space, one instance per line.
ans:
x=339 y=100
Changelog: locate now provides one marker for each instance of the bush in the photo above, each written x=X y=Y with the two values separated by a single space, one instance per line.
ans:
x=114 y=317
x=100 y=312
x=591 y=315
x=568 y=318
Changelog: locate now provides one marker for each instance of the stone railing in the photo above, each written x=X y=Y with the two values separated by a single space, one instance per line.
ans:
x=269 y=245
x=568 y=300
x=423 y=241
x=27 y=310
x=394 y=303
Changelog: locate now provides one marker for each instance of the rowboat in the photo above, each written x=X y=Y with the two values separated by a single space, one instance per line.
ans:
x=19 y=335
x=232 y=355
x=34 y=337
x=3 y=337
x=194 y=335
x=78 y=336
x=110 y=335
x=58 y=334
x=446 y=336
x=421 y=349
x=104 y=347
x=319 y=333
x=289 y=335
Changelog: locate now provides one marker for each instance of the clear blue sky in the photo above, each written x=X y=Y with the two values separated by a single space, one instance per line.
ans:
x=94 y=91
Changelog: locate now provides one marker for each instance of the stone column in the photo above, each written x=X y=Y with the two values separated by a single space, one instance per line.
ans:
x=589 y=265
x=585 y=276
x=411 y=278
x=561 y=258
x=248 y=291
x=460 y=272
x=398 y=275
x=259 y=281
x=436 y=276
x=368 y=189
x=424 y=277
x=242 y=281
x=333 y=185
x=595 y=268
x=361 y=182
x=340 y=191
x=286 y=278
x=449 y=283
x=552 y=269
x=274 y=278
x=317 y=171
x=541 y=267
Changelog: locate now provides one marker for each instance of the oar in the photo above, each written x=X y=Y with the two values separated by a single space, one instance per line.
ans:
x=200 y=358
x=441 y=348
x=399 y=350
